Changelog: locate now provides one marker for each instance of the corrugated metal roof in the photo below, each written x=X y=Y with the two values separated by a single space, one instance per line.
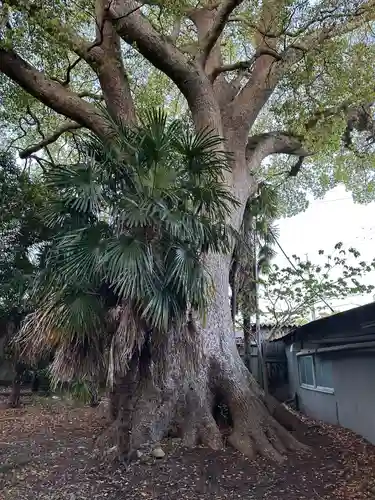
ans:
x=355 y=319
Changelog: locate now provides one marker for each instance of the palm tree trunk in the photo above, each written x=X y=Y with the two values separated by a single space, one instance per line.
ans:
x=35 y=382
x=94 y=394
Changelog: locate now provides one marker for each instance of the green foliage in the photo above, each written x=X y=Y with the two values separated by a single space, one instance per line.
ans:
x=22 y=197
x=290 y=293
x=79 y=391
x=313 y=101
x=133 y=221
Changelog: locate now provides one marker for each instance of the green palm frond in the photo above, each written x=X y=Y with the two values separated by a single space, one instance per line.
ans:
x=78 y=254
x=79 y=187
x=183 y=270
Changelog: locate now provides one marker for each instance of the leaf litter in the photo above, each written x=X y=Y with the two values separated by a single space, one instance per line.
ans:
x=46 y=453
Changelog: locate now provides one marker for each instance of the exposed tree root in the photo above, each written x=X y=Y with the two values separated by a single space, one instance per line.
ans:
x=284 y=416
x=199 y=425
x=254 y=431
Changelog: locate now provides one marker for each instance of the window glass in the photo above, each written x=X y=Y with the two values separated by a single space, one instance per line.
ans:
x=306 y=370
x=323 y=372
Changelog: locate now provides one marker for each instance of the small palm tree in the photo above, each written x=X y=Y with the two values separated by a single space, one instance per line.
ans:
x=252 y=256
x=254 y=247
x=134 y=220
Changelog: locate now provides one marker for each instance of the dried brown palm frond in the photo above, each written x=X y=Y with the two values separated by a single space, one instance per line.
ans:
x=72 y=328
x=77 y=361
x=177 y=351
x=128 y=337
x=36 y=338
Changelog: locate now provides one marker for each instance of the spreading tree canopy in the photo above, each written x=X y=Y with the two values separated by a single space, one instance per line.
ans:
x=307 y=64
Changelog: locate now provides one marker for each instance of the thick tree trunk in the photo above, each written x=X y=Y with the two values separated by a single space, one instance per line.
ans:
x=177 y=386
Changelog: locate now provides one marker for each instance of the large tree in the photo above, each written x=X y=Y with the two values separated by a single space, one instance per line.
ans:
x=305 y=66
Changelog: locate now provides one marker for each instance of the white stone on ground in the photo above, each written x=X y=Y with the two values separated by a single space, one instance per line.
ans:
x=158 y=452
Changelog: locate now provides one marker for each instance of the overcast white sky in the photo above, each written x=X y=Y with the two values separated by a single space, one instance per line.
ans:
x=326 y=222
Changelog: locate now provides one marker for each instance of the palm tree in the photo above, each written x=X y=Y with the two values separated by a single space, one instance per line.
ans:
x=252 y=255
x=134 y=221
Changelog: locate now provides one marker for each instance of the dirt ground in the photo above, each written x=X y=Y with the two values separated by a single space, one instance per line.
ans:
x=46 y=452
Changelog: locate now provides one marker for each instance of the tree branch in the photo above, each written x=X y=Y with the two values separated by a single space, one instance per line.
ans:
x=66 y=127
x=137 y=31
x=39 y=128
x=267 y=70
x=103 y=55
x=40 y=162
x=175 y=30
x=250 y=100
x=296 y=168
x=263 y=145
x=51 y=93
x=342 y=24
x=319 y=17
x=90 y=95
x=69 y=69
x=204 y=19
x=279 y=142
x=239 y=65
x=111 y=71
x=245 y=65
x=225 y=9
